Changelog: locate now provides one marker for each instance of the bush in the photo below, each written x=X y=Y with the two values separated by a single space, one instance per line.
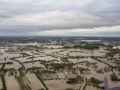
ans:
x=72 y=80
x=114 y=77
x=96 y=81
x=3 y=83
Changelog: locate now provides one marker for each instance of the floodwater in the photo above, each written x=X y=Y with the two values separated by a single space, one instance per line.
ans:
x=15 y=65
x=56 y=54
x=91 y=88
x=61 y=75
x=24 y=44
x=49 y=51
x=46 y=58
x=53 y=46
x=8 y=56
x=60 y=85
x=0 y=84
x=34 y=82
x=101 y=77
x=21 y=59
x=33 y=64
x=11 y=83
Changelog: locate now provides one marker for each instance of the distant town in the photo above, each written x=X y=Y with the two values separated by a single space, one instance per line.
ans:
x=59 y=63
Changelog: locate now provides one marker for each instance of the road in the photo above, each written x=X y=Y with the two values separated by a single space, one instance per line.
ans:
x=83 y=83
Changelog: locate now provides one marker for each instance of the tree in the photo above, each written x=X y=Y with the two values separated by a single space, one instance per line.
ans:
x=4 y=58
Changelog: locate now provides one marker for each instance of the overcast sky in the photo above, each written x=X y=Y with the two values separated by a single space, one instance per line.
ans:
x=59 y=17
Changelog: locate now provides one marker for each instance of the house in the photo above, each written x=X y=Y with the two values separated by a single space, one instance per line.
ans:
x=74 y=72
x=1 y=72
x=11 y=72
x=15 y=72
x=87 y=63
x=94 y=65
x=100 y=71
x=79 y=78
x=52 y=70
x=106 y=70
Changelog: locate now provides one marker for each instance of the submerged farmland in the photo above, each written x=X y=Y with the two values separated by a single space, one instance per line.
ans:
x=58 y=66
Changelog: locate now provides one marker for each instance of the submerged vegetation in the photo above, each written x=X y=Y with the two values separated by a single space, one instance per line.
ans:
x=95 y=81
x=72 y=80
x=3 y=82
x=4 y=87
x=87 y=46
x=112 y=52
x=22 y=82
x=37 y=75
x=18 y=62
x=57 y=61
x=59 y=66
x=114 y=77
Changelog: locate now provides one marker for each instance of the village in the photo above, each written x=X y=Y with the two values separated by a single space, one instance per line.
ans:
x=81 y=65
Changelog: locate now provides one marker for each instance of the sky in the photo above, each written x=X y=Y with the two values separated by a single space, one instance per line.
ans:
x=60 y=18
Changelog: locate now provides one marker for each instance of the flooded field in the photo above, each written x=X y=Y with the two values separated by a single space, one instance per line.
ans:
x=60 y=85
x=34 y=64
x=0 y=84
x=15 y=65
x=91 y=88
x=34 y=59
x=11 y=83
x=34 y=82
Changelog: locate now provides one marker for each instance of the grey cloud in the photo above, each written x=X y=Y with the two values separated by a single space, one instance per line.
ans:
x=35 y=16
